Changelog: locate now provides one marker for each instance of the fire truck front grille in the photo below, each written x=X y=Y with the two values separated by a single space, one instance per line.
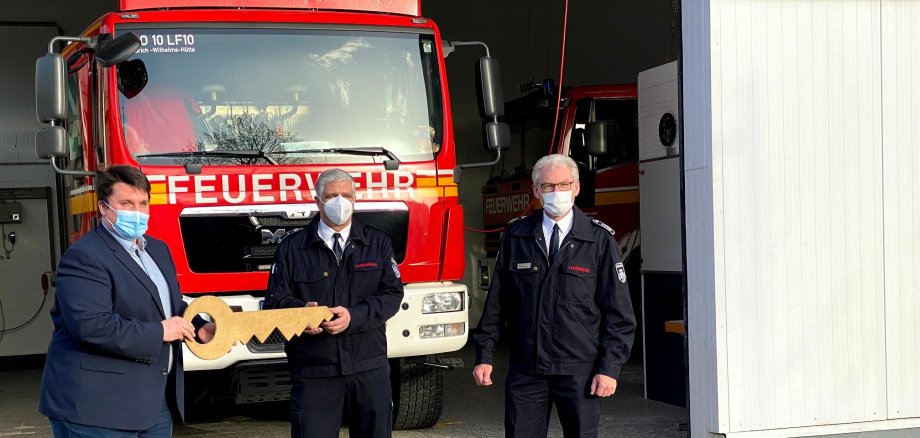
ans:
x=263 y=250
x=273 y=343
x=275 y=221
x=215 y=244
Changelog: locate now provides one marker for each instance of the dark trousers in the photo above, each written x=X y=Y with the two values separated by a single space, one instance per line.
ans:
x=161 y=429
x=529 y=399
x=317 y=404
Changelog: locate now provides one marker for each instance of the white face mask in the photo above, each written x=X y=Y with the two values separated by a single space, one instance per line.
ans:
x=338 y=210
x=557 y=203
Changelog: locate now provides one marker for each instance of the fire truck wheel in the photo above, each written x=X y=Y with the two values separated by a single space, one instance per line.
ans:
x=418 y=393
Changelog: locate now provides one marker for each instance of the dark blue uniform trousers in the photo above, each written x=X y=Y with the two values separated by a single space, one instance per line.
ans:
x=529 y=399
x=317 y=404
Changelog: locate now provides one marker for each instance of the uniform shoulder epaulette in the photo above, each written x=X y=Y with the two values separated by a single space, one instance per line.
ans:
x=289 y=234
x=516 y=219
x=603 y=225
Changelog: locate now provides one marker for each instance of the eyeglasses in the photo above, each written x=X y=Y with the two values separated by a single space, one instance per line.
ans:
x=550 y=187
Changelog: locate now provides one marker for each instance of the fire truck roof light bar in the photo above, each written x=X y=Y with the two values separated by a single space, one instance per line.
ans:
x=402 y=7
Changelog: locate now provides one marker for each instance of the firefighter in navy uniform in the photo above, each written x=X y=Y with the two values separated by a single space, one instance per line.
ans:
x=342 y=364
x=559 y=295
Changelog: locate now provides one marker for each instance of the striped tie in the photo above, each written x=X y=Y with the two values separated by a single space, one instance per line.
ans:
x=336 y=248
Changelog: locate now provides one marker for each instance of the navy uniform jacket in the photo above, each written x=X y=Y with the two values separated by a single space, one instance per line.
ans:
x=106 y=363
x=367 y=284
x=570 y=317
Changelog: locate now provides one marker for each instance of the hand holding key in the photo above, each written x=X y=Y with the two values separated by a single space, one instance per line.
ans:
x=312 y=329
x=340 y=323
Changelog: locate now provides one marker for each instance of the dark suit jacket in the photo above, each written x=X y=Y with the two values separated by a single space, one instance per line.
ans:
x=106 y=363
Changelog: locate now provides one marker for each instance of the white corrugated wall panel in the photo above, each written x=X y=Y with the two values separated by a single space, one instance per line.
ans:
x=901 y=97
x=801 y=164
x=702 y=203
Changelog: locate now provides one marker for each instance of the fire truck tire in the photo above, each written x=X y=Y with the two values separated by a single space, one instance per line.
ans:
x=418 y=394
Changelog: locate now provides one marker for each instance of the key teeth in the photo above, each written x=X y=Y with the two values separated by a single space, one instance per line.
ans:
x=263 y=333
x=295 y=328
x=289 y=334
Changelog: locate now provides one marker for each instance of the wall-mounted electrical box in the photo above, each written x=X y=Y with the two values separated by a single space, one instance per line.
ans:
x=10 y=213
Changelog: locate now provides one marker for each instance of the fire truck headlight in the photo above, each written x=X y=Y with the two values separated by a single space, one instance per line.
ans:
x=441 y=330
x=442 y=302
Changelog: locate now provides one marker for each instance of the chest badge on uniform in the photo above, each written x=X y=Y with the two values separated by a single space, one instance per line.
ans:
x=582 y=269
x=621 y=273
x=395 y=267
x=524 y=265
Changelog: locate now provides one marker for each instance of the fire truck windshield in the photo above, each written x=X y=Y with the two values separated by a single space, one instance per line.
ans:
x=298 y=96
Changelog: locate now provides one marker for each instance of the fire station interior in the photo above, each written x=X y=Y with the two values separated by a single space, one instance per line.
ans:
x=548 y=50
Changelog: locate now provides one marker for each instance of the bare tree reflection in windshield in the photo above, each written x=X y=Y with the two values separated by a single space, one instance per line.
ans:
x=244 y=132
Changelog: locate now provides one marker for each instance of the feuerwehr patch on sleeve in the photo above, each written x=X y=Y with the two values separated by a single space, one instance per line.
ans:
x=603 y=225
x=395 y=267
x=621 y=273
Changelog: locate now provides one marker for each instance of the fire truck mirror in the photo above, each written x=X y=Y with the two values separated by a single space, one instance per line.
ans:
x=596 y=138
x=132 y=77
x=110 y=52
x=50 y=88
x=497 y=136
x=491 y=98
x=51 y=142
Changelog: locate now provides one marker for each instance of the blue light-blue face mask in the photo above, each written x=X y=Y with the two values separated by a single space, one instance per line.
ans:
x=129 y=225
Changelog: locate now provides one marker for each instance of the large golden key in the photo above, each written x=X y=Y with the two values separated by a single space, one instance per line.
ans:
x=233 y=326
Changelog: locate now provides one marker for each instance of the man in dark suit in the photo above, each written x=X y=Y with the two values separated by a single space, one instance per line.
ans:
x=114 y=366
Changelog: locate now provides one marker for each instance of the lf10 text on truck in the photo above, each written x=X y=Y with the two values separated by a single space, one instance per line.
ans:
x=232 y=112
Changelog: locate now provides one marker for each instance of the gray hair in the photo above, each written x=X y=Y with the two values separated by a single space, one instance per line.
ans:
x=554 y=160
x=332 y=175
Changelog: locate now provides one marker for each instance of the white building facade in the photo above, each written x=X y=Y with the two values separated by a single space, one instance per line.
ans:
x=802 y=210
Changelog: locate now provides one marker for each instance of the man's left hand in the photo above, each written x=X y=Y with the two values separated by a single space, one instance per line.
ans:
x=340 y=323
x=603 y=386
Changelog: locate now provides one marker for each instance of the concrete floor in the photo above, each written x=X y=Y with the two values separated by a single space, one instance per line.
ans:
x=469 y=411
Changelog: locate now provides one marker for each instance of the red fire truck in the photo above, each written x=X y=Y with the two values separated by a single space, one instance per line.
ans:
x=232 y=111
x=597 y=127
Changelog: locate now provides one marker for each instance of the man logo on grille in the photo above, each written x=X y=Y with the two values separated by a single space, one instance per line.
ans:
x=269 y=237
